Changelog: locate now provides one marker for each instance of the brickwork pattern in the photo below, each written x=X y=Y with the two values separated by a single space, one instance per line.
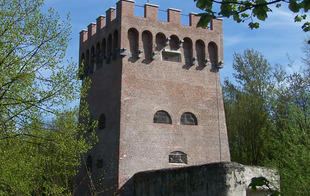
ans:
x=131 y=82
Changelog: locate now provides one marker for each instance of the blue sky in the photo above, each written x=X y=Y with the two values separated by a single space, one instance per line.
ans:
x=276 y=38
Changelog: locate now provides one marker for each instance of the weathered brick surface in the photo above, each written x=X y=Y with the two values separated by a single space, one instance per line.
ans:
x=130 y=90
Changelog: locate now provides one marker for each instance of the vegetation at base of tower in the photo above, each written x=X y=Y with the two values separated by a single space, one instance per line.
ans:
x=248 y=11
x=268 y=118
x=41 y=140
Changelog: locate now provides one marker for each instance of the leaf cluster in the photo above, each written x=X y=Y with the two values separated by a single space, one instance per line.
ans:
x=43 y=158
x=247 y=10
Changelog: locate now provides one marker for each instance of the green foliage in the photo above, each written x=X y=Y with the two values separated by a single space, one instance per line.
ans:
x=41 y=140
x=268 y=119
x=245 y=10
x=291 y=141
x=246 y=109
x=43 y=158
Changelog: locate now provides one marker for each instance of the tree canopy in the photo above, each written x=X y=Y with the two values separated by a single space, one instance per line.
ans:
x=248 y=10
x=268 y=118
x=41 y=140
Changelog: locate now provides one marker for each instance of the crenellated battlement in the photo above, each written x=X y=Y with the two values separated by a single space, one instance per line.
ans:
x=120 y=33
x=126 y=8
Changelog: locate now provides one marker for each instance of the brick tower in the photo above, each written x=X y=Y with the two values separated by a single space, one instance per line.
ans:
x=155 y=92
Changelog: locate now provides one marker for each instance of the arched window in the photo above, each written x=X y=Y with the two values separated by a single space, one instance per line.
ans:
x=174 y=42
x=109 y=46
x=115 y=43
x=92 y=59
x=162 y=117
x=213 y=53
x=160 y=41
x=188 y=51
x=86 y=64
x=104 y=48
x=89 y=163
x=98 y=59
x=200 y=51
x=133 y=37
x=188 y=119
x=147 y=40
x=97 y=49
x=102 y=121
x=178 y=157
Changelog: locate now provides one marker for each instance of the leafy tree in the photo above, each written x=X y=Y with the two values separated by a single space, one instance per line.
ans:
x=268 y=119
x=40 y=142
x=44 y=158
x=291 y=141
x=32 y=76
x=246 y=10
x=247 y=107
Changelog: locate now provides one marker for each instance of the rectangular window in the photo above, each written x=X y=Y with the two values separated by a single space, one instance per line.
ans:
x=178 y=157
x=99 y=163
x=171 y=55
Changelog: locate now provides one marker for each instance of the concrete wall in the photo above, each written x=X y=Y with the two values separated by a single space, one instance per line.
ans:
x=215 y=179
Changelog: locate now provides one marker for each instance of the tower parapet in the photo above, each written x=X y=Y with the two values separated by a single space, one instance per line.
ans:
x=125 y=8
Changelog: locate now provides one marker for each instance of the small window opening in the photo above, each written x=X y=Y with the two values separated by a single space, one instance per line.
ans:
x=89 y=163
x=147 y=44
x=104 y=49
x=160 y=41
x=171 y=55
x=109 y=47
x=115 y=44
x=188 y=119
x=174 y=42
x=213 y=53
x=200 y=50
x=162 y=117
x=133 y=37
x=102 y=121
x=98 y=58
x=99 y=163
x=178 y=157
x=86 y=64
x=188 y=51
x=92 y=60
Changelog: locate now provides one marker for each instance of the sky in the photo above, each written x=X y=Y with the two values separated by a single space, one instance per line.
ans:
x=277 y=38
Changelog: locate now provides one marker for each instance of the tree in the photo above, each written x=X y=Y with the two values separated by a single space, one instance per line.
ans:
x=41 y=140
x=32 y=76
x=44 y=158
x=291 y=140
x=246 y=10
x=247 y=107
x=268 y=119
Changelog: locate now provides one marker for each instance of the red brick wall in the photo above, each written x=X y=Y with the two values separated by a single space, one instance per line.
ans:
x=130 y=90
